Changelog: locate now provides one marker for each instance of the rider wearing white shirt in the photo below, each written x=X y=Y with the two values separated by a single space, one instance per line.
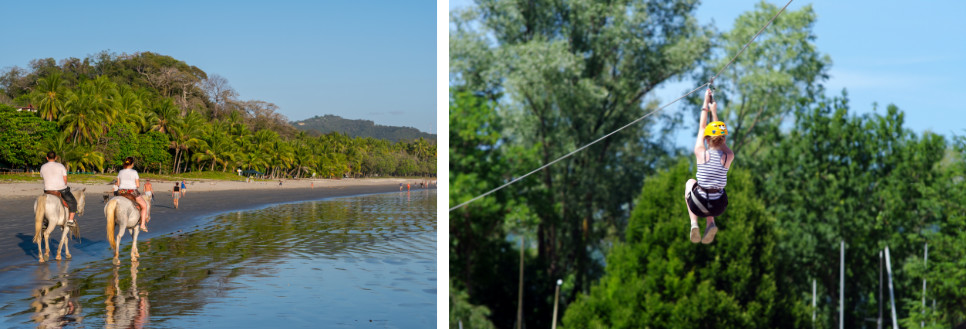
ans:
x=127 y=183
x=55 y=180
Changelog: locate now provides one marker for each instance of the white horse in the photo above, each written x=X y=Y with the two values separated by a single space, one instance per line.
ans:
x=121 y=211
x=52 y=209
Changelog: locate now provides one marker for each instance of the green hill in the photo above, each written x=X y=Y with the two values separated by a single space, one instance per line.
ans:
x=359 y=128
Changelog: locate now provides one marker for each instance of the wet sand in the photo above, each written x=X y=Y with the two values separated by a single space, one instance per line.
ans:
x=201 y=200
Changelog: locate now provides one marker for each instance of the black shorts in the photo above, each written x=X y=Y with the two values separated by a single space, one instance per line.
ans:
x=714 y=207
x=69 y=198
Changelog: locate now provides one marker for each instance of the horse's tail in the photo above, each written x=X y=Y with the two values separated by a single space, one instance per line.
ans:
x=109 y=210
x=39 y=211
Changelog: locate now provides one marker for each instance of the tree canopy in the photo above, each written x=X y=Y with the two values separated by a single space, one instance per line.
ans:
x=172 y=117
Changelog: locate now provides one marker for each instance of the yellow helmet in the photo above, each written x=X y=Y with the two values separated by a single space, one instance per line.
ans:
x=716 y=128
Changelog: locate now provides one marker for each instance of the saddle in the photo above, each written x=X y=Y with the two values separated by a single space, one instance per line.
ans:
x=58 y=195
x=132 y=198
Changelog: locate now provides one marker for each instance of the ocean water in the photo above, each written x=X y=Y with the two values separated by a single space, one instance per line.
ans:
x=363 y=261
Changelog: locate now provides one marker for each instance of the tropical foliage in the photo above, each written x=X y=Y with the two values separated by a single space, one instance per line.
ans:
x=174 y=118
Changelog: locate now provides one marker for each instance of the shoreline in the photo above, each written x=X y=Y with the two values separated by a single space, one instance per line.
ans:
x=202 y=199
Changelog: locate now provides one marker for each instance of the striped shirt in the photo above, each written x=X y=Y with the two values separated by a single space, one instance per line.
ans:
x=712 y=174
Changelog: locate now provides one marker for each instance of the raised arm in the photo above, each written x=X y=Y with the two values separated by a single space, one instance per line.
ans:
x=703 y=121
x=714 y=108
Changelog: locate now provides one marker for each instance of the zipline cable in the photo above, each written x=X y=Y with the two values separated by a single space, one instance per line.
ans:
x=709 y=83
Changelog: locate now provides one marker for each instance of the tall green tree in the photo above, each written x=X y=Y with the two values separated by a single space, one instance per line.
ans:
x=569 y=72
x=51 y=97
x=657 y=278
x=945 y=272
x=22 y=135
x=781 y=71
x=864 y=180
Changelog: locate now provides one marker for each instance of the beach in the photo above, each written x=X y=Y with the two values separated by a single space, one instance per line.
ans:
x=201 y=199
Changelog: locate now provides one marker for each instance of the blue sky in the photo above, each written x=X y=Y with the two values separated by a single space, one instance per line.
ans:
x=911 y=54
x=372 y=60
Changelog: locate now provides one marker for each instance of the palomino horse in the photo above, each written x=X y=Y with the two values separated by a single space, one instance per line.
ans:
x=121 y=211
x=52 y=209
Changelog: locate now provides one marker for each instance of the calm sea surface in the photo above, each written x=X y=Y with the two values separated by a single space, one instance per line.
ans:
x=365 y=261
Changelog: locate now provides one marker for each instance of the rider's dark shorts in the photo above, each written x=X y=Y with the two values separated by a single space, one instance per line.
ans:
x=715 y=207
x=69 y=198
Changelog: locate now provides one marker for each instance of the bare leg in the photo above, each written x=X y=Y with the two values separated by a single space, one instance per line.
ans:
x=695 y=235
x=144 y=213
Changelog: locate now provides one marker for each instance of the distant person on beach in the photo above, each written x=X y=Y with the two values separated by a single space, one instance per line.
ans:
x=127 y=183
x=184 y=188
x=400 y=187
x=279 y=182
x=176 y=194
x=55 y=182
x=148 y=189
x=407 y=186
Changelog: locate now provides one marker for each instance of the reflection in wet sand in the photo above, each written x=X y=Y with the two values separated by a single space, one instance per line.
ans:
x=128 y=309
x=55 y=306
x=337 y=262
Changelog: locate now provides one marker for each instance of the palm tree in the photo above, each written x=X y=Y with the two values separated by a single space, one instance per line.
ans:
x=129 y=108
x=184 y=137
x=51 y=96
x=165 y=116
x=64 y=150
x=84 y=119
x=219 y=150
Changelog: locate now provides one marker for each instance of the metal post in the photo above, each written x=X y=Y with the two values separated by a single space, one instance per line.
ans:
x=892 y=296
x=842 y=286
x=520 y=300
x=556 y=299
x=925 y=263
x=813 y=303
x=881 y=297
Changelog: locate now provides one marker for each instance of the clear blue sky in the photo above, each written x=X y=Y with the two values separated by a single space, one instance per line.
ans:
x=911 y=54
x=372 y=60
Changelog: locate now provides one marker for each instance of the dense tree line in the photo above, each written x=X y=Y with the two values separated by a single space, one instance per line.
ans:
x=332 y=123
x=531 y=82
x=174 y=118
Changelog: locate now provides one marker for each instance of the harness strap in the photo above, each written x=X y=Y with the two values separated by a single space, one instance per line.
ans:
x=697 y=201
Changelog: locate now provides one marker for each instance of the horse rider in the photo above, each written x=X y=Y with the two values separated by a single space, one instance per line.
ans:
x=55 y=183
x=127 y=183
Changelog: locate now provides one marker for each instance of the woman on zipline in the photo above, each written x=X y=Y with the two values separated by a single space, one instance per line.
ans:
x=706 y=197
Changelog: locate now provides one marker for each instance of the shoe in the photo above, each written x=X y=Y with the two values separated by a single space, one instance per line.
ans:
x=71 y=223
x=695 y=234
x=709 y=233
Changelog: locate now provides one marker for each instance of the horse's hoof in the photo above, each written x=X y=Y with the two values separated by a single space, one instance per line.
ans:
x=68 y=257
x=116 y=262
x=58 y=257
